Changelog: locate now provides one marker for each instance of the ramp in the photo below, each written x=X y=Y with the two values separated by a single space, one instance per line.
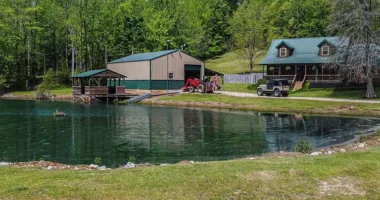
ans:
x=139 y=98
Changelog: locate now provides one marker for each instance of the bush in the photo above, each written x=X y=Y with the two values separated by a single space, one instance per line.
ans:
x=362 y=138
x=259 y=82
x=98 y=161
x=303 y=146
x=132 y=159
x=63 y=77
x=49 y=82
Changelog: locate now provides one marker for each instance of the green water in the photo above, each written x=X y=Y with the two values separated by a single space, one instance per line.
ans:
x=28 y=131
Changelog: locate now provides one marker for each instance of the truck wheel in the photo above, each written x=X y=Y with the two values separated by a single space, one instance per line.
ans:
x=201 y=88
x=260 y=92
x=277 y=93
x=191 y=89
x=285 y=94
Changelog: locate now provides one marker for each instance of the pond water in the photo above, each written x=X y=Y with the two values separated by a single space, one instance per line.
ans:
x=28 y=131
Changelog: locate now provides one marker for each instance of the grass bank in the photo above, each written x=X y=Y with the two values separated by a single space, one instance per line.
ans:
x=61 y=93
x=232 y=63
x=269 y=105
x=352 y=175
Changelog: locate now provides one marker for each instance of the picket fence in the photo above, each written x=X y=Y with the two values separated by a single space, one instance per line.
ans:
x=243 y=78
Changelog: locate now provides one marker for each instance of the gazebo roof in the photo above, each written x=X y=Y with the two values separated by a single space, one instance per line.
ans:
x=100 y=73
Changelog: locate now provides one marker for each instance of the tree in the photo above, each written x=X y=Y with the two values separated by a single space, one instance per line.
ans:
x=357 y=55
x=248 y=30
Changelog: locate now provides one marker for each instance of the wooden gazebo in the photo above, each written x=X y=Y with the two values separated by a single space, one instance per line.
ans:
x=98 y=83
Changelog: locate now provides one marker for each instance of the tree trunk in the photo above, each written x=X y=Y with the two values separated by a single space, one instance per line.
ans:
x=251 y=66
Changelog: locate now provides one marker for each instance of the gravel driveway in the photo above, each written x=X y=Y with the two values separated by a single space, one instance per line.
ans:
x=254 y=95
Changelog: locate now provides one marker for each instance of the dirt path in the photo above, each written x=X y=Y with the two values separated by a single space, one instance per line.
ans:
x=252 y=95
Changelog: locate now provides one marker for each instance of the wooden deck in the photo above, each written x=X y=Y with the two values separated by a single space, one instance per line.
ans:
x=100 y=93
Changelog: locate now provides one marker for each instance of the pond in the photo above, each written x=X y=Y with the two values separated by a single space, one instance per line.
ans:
x=29 y=131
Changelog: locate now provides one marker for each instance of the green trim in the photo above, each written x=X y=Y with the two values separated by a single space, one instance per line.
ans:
x=163 y=84
x=150 y=74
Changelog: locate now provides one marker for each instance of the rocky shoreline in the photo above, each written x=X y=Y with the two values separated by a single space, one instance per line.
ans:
x=370 y=142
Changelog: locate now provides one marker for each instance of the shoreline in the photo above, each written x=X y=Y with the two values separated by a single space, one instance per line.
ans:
x=371 y=140
x=345 y=111
x=157 y=101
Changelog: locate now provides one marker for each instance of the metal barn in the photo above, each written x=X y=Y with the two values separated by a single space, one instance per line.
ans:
x=164 y=70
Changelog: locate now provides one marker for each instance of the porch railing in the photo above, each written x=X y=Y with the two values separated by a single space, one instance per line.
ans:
x=293 y=81
x=323 y=78
x=288 y=77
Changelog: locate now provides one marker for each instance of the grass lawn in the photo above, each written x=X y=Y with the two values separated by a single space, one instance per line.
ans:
x=231 y=63
x=60 y=91
x=277 y=104
x=353 y=175
x=239 y=87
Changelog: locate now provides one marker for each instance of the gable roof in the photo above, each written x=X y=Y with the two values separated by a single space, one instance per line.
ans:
x=326 y=41
x=98 y=72
x=144 y=56
x=306 y=51
x=284 y=43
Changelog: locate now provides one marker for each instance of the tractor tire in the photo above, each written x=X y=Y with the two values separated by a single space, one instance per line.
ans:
x=201 y=88
x=260 y=92
x=191 y=89
x=285 y=94
x=277 y=93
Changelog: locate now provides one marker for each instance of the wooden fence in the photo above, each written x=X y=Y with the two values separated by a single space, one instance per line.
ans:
x=243 y=78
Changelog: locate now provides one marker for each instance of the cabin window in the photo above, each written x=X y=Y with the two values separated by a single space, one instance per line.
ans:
x=283 y=52
x=171 y=75
x=325 y=51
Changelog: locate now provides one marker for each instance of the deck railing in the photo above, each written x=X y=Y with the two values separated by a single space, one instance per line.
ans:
x=323 y=78
x=293 y=81
x=288 y=77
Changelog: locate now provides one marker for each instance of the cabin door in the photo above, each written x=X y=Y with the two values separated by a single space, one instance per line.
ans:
x=301 y=71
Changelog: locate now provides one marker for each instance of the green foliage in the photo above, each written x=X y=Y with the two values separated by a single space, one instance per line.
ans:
x=220 y=79
x=303 y=146
x=49 y=82
x=3 y=83
x=288 y=68
x=262 y=81
x=362 y=138
x=314 y=68
x=98 y=161
x=63 y=77
x=132 y=159
x=271 y=68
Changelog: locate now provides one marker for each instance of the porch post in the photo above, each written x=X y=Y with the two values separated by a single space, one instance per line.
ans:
x=322 y=73
x=279 y=70
x=305 y=71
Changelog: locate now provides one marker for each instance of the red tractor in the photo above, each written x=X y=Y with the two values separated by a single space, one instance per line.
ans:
x=202 y=86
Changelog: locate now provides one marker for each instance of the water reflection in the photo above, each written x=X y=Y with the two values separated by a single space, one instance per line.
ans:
x=28 y=131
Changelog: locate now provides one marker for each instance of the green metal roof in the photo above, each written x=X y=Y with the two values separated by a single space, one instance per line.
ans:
x=286 y=44
x=144 y=56
x=89 y=73
x=306 y=51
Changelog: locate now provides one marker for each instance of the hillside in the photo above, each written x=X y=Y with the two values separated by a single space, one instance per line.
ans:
x=231 y=63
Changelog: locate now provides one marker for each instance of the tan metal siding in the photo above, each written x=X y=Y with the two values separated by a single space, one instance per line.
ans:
x=173 y=63
x=133 y=70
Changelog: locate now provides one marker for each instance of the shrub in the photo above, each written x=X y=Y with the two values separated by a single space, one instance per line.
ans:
x=132 y=159
x=63 y=77
x=362 y=138
x=303 y=146
x=98 y=161
x=288 y=68
x=49 y=82
x=378 y=132
x=261 y=81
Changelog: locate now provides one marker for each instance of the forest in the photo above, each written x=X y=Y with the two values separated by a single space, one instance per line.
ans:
x=38 y=35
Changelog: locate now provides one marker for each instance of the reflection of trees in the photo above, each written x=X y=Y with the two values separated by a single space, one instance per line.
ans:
x=156 y=134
